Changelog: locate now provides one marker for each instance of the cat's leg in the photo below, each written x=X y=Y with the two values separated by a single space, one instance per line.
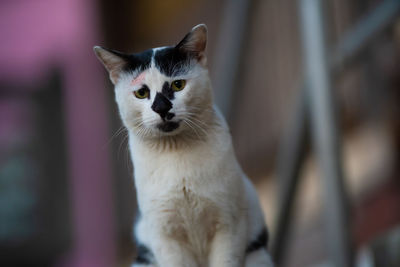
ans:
x=164 y=242
x=258 y=258
x=144 y=255
x=166 y=248
x=135 y=264
x=171 y=253
x=228 y=246
x=168 y=253
x=142 y=265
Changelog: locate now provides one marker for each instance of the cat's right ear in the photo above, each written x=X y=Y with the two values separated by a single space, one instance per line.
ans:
x=194 y=43
x=113 y=61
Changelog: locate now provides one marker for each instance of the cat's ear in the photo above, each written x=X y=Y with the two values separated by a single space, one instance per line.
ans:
x=195 y=42
x=114 y=61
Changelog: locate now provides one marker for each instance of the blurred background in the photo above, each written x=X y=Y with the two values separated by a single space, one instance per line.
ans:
x=66 y=190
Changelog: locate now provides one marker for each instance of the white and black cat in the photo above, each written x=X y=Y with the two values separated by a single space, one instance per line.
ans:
x=197 y=207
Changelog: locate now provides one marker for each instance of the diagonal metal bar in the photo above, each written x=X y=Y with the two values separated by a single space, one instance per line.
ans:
x=355 y=39
x=290 y=159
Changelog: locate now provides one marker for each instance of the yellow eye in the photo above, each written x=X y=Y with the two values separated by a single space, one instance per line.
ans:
x=142 y=93
x=178 y=85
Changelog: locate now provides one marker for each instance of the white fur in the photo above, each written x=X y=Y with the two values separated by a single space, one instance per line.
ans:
x=210 y=171
x=198 y=208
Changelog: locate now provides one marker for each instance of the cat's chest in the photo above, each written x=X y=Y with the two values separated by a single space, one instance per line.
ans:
x=189 y=218
x=168 y=170
x=191 y=183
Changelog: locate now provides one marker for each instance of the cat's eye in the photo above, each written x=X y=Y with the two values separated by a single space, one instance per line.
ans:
x=142 y=93
x=178 y=85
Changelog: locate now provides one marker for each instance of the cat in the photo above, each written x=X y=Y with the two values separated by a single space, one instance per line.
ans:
x=197 y=207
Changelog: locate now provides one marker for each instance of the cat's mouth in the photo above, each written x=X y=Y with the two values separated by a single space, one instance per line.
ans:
x=168 y=126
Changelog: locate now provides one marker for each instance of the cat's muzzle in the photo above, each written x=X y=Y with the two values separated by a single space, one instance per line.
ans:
x=168 y=126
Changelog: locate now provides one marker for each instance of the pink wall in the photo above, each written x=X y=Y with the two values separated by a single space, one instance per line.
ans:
x=41 y=34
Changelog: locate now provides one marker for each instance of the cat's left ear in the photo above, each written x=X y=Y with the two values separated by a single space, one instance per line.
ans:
x=194 y=43
x=112 y=60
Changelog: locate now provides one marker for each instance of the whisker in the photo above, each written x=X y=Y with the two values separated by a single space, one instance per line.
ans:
x=194 y=124
x=122 y=142
x=194 y=130
x=117 y=133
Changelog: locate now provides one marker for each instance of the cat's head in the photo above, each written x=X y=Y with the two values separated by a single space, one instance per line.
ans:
x=163 y=91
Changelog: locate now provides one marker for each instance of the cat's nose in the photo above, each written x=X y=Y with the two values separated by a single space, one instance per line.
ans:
x=162 y=105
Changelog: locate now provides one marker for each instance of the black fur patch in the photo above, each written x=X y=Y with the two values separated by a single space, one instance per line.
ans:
x=167 y=91
x=168 y=126
x=161 y=105
x=144 y=255
x=260 y=242
x=171 y=61
x=139 y=61
x=169 y=116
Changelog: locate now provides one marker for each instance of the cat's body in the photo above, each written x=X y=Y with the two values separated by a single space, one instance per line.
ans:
x=197 y=208
x=194 y=195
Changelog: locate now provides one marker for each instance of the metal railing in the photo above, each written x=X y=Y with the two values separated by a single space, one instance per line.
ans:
x=314 y=119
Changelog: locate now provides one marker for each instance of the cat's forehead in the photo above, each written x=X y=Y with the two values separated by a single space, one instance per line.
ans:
x=148 y=76
x=169 y=61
